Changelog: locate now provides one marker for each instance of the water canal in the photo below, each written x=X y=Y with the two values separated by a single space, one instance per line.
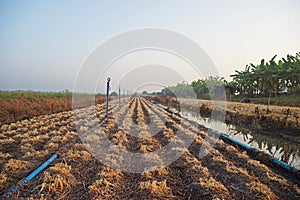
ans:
x=279 y=145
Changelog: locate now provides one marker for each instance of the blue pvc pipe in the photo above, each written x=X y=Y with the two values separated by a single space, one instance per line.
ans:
x=31 y=175
x=39 y=169
x=270 y=158
x=241 y=144
x=283 y=165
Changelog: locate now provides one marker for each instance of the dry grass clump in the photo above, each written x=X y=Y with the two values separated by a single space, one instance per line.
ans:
x=15 y=165
x=75 y=154
x=44 y=130
x=4 y=156
x=258 y=164
x=243 y=155
x=83 y=129
x=156 y=187
x=153 y=158
x=34 y=132
x=105 y=187
x=231 y=149
x=7 y=141
x=62 y=168
x=161 y=171
x=63 y=129
x=52 y=145
x=192 y=160
x=11 y=133
x=85 y=155
x=80 y=146
x=56 y=133
x=120 y=138
x=113 y=159
x=58 y=181
x=35 y=140
x=92 y=139
x=176 y=140
x=21 y=136
x=36 y=154
x=4 y=127
x=26 y=147
x=237 y=170
x=151 y=141
x=102 y=188
x=261 y=191
x=3 y=179
x=71 y=134
x=212 y=184
x=13 y=126
x=198 y=139
x=2 y=136
x=59 y=139
x=168 y=133
x=146 y=148
x=54 y=184
x=280 y=180
x=111 y=174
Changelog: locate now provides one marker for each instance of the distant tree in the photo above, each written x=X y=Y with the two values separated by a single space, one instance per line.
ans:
x=200 y=88
x=144 y=93
x=167 y=92
x=66 y=91
x=114 y=94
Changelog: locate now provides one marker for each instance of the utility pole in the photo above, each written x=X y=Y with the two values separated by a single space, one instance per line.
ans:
x=119 y=96
x=107 y=93
x=124 y=96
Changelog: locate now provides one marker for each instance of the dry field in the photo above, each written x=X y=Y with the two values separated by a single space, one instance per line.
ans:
x=225 y=173
x=15 y=106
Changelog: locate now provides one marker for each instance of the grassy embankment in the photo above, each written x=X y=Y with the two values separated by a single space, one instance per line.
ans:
x=254 y=116
x=288 y=100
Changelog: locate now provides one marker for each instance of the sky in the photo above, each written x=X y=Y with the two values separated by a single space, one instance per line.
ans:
x=44 y=44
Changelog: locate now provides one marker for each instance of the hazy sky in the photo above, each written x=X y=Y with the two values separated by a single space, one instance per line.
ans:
x=43 y=43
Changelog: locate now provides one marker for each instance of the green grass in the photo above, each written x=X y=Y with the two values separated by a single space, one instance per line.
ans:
x=33 y=95
x=289 y=97
x=289 y=100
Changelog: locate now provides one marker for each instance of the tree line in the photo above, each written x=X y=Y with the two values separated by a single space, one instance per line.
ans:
x=260 y=80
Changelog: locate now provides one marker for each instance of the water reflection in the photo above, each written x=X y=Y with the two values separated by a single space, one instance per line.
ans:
x=278 y=145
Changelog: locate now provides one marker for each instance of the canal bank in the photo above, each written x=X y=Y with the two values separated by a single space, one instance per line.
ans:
x=273 y=130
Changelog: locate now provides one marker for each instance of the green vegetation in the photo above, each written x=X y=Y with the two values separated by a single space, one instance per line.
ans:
x=259 y=80
x=201 y=89
x=279 y=98
x=33 y=95
x=256 y=81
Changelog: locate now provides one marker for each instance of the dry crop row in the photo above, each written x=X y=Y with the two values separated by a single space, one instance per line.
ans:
x=138 y=126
